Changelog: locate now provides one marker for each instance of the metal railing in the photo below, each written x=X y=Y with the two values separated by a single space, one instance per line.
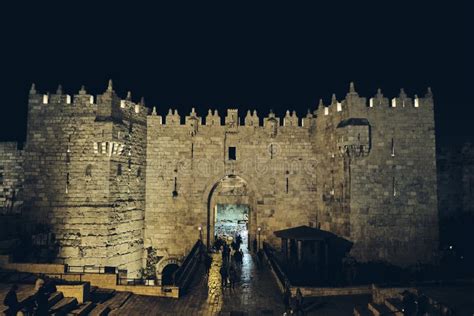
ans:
x=28 y=277
x=273 y=260
x=91 y=269
x=182 y=275
x=130 y=281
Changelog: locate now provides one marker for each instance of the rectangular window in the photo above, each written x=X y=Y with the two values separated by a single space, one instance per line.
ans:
x=1 y=175
x=232 y=153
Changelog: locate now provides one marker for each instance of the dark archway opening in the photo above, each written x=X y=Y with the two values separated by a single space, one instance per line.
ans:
x=168 y=274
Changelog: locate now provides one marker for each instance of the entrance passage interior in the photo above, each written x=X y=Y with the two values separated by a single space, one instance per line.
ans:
x=232 y=220
x=168 y=274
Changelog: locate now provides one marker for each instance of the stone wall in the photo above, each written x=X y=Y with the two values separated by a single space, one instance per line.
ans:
x=74 y=150
x=455 y=180
x=393 y=185
x=11 y=178
x=270 y=160
x=109 y=180
x=363 y=170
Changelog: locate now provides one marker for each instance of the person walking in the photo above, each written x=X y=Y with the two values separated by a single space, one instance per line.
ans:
x=224 y=275
x=207 y=264
x=287 y=299
x=11 y=301
x=232 y=276
x=41 y=299
x=299 y=302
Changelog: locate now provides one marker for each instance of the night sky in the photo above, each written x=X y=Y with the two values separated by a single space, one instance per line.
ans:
x=231 y=54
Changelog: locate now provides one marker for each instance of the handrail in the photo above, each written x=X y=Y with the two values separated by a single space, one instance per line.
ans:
x=182 y=273
x=18 y=276
x=130 y=281
x=284 y=280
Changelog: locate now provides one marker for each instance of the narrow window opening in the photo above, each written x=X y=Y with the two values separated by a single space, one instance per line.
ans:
x=271 y=151
x=1 y=175
x=129 y=164
x=175 y=191
x=394 y=186
x=139 y=172
x=89 y=171
x=192 y=150
x=393 y=148
x=232 y=153
x=67 y=183
x=119 y=169
x=287 y=183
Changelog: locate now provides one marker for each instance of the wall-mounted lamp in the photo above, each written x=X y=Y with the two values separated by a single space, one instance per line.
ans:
x=259 y=230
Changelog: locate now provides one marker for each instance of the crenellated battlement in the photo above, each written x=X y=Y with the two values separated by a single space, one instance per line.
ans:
x=352 y=105
x=353 y=102
x=104 y=106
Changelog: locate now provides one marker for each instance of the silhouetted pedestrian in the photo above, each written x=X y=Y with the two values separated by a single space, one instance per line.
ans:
x=238 y=257
x=207 y=263
x=11 y=301
x=287 y=299
x=409 y=304
x=224 y=276
x=41 y=301
x=232 y=276
x=299 y=302
x=255 y=246
x=423 y=304
x=239 y=239
x=225 y=254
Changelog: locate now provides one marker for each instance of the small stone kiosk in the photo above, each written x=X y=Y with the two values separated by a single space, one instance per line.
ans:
x=312 y=251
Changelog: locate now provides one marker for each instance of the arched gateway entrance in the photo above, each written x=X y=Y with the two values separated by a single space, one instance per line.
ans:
x=231 y=207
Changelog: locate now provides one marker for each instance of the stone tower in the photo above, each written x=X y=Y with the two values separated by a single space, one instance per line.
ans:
x=84 y=164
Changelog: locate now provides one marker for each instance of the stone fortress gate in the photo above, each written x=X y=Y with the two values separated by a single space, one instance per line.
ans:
x=113 y=180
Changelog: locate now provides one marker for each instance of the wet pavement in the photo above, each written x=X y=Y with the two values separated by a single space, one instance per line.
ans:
x=255 y=294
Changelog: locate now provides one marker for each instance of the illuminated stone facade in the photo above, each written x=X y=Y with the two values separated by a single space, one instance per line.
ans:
x=112 y=180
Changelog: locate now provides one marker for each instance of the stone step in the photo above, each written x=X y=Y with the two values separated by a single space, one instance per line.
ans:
x=100 y=310
x=82 y=309
x=118 y=300
x=362 y=311
x=65 y=305
x=100 y=295
x=395 y=305
x=54 y=298
x=3 y=309
x=379 y=309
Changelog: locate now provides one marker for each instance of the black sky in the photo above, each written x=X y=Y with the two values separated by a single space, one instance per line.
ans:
x=231 y=54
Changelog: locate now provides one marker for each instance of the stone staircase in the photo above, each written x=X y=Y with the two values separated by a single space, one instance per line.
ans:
x=106 y=300
x=102 y=301
x=393 y=306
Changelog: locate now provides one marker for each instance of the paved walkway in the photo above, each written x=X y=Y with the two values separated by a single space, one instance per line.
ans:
x=255 y=294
